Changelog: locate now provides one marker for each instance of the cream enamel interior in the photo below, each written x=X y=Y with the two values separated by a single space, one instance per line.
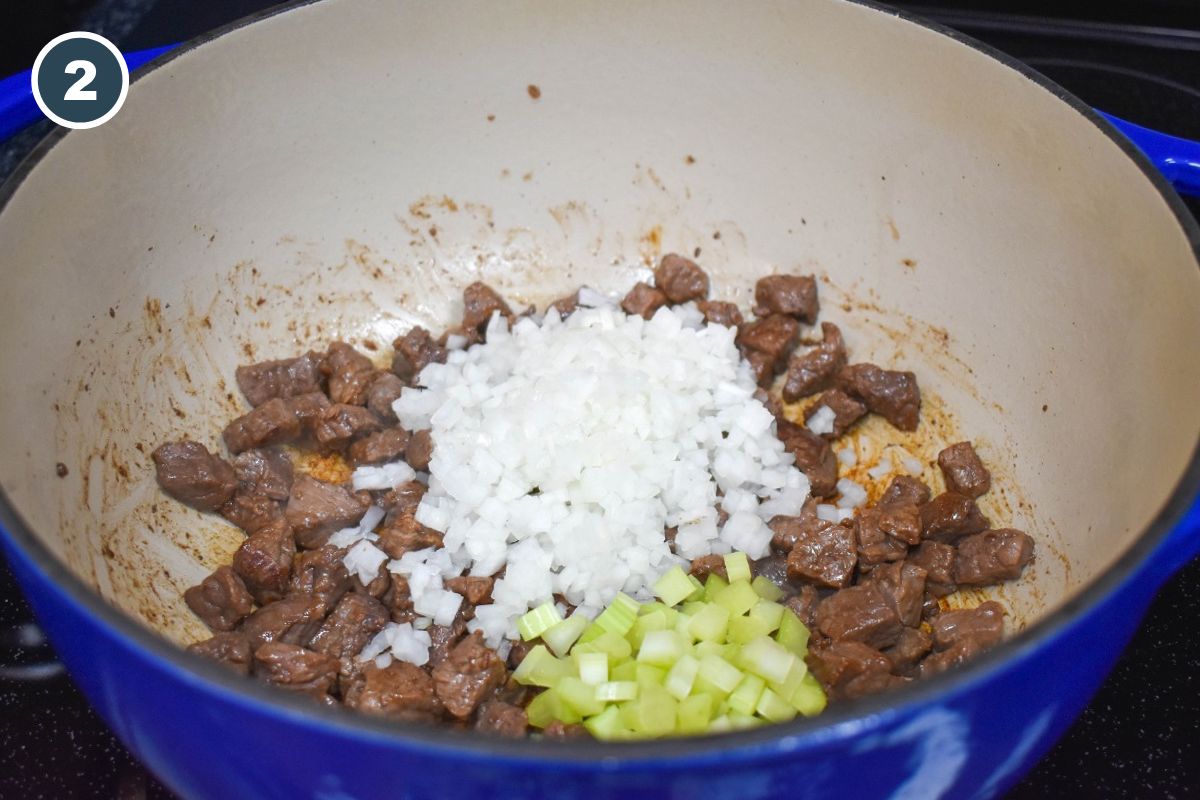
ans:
x=346 y=151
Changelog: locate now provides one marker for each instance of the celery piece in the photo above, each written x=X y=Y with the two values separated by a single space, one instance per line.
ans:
x=767 y=659
x=591 y=633
x=744 y=698
x=654 y=621
x=615 y=646
x=673 y=587
x=661 y=648
x=692 y=607
x=809 y=699
x=769 y=612
x=766 y=589
x=720 y=673
x=625 y=671
x=533 y=624
x=682 y=621
x=697 y=589
x=695 y=713
x=592 y=667
x=580 y=696
x=745 y=629
x=787 y=687
x=720 y=725
x=647 y=675
x=682 y=676
x=562 y=636
x=737 y=567
x=605 y=725
x=548 y=707
x=713 y=584
x=710 y=623
x=737 y=597
x=741 y=722
x=540 y=668
x=774 y=708
x=705 y=686
x=702 y=649
x=792 y=633
x=619 y=616
x=654 y=713
x=616 y=691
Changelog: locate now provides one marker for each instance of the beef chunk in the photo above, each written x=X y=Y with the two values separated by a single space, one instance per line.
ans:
x=814 y=457
x=274 y=422
x=804 y=605
x=415 y=350
x=643 y=300
x=403 y=533
x=444 y=638
x=292 y=620
x=286 y=378
x=320 y=575
x=342 y=424
x=992 y=556
x=961 y=635
x=718 y=312
x=774 y=337
x=502 y=719
x=762 y=366
x=847 y=668
x=400 y=690
x=353 y=623
x=265 y=472
x=903 y=585
x=404 y=499
x=704 y=566
x=950 y=516
x=904 y=490
x=229 y=649
x=892 y=394
x=220 y=600
x=774 y=569
x=963 y=470
x=419 y=450
x=469 y=674
x=517 y=653
x=875 y=545
x=252 y=512
x=859 y=613
x=295 y=668
x=476 y=590
x=846 y=410
x=680 y=279
x=562 y=730
x=309 y=410
x=788 y=530
x=824 y=554
x=793 y=295
x=385 y=445
x=480 y=301
x=399 y=600
x=383 y=393
x=902 y=522
x=937 y=559
x=913 y=645
x=264 y=561
x=317 y=509
x=192 y=475
x=350 y=374
x=817 y=367
x=564 y=306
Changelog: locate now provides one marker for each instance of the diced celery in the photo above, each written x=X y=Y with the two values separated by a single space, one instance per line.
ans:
x=682 y=621
x=720 y=673
x=740 y=722
x=650 y=608
x=705 y=686
x=591 y=633
x=579 y=696
x=548 y=707
x=773 y=708
x=648 y=675
x=692 y=607
x=619 y=616
x=625 y=671
x=744 y=698
x=720 y=725
x=792 y=633
x=592 y=667
x=737 y=598
x=712 y=585
x=769 y=612
x=766 y=589
x=697 y=589
x=661 y=648
x=562 y=636
x=654 y=713
x=540 y=668
x=786 y=688
x=737 y=567
x=702 y=649
x=534 y=623
x=615 y=646
x=767 y=658
x=695 y=713
x=745 y=629
x=605 y=725
x=655 y=621
x=710 y=623
x=682 y=676
x=673 y=587
x=616 y=691
x=809 y=698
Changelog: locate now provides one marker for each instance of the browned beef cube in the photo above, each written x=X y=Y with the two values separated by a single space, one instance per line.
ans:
x=265 y=472
x=950 y=516
x=400 y=690
x=804 y=605
x=385 y=445
x=517 y=654
x=469 y=674
x=902 y=522
x=773 y=568
x=824 y=554
x=403 y=533
x=341 y=424
x=264 y=561
x=309 y=409
x=840 y=663
x=480 y=301
x=444 y=638
x=415 y=350
x=892 y=394
x=320 y=575
x=904 y=490
x=557 y=730
x=502 y=719
x=292 y=620
x=817 y=367
x=719 y=312
x=960 y=635
x=274 y=422
x=295 y=668
x=964 y=472
x=786 y=531
x=643 y=300
x=220 y=600
x=846 y=410
x=913 y=645
x=859 y=613
x=903 y=585
x=937 y=559
x=399 y=600
x=704 y=566
x=419 y=450
x=564 y=306
x=762 y=366
x=350 y=626
x=383 y=393
x=794 y=295
x=992 y=556
x=252 y=512
x=285 y=378
x=229 y=649
x=350 y=374
x=814 y=456
x=680 y=279
x=774 y=336
x=404 y=499
x=377 y=587
x=317 y=509
x=192 y=475
x=477 y=590
x=875 y=545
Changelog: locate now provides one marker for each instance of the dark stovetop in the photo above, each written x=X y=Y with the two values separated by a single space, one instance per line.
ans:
x=1140 y=737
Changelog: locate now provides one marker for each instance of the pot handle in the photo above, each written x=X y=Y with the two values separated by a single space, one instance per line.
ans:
x=1176 y=158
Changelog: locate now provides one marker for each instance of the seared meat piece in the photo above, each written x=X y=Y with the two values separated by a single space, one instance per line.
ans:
x=274 y=422
x=704 y=566
x=824 y=554
x=350 y=374
x=643 y=300
x=399 y=600
x=400 y=690
x=477 y=591
x=964 y=472
x=804 y=605
x=469 y=674
x=220 y=600
x=561 y=730
x=265 y=472
x=904 y=490
x=719 y=312
x=875 y=545
x=846 y=410
x=292 y=667
x=353 y=623
x=402 y=500
x=901 y=521
x=564 y=306
x=892 y=394
x=793 y=295
x=194 y=476
x=774 y=568
x=377 y=587
x=849 y=669
x=937 y=559
x=292 y=620
x=815 y=369
x=963 y=634
x=518 y=652
x=992 y=557
x=252 y=512
x=321 y=575
x=444 y=638
x=419 y=450
x=903 y=585
x=913 y=645
x=859 y=613
x=950 y=516
x=229 y=649
x=787 y=530
x=814 y=456
x=309 y=409
x=264 y=561
x=415 y=350
x=383 y=393
x=403 y=533
x=502 y=719
x=762 y=366
x=317 y=509
x=680 y=279
x=774 y=337
x=385 y=445
x=285 y=378
x=341 y=424
x=480 y=301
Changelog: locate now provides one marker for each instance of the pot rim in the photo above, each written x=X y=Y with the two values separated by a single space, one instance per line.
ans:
x=840 y=721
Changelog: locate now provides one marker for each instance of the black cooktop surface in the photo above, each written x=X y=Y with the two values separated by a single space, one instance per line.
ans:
x=1140 y=737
